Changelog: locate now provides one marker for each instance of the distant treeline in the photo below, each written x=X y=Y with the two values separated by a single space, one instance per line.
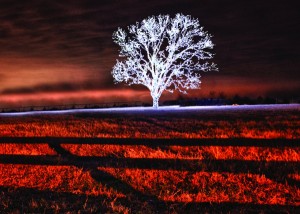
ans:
x=230 y=101
x=72 y=106
x=236 y=100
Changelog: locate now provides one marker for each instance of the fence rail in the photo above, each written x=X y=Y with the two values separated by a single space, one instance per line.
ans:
x=277 y=171
x=155 y=142
x=71 y=106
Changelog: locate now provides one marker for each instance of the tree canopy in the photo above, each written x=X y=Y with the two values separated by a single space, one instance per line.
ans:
x=163 y=53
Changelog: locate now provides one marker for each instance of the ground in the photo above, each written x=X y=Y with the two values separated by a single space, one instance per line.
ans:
x=140 y=160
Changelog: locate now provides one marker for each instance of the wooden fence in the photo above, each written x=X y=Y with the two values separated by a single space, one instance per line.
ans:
x=71 y=106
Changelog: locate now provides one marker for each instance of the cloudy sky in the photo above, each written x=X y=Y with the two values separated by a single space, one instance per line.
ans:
x=61 y=50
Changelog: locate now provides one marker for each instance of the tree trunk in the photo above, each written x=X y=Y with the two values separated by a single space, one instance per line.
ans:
x=155 y=102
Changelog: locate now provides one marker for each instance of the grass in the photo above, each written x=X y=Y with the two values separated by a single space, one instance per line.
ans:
x=53 y=177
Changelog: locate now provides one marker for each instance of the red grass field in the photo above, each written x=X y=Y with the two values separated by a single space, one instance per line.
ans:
x=231 y=160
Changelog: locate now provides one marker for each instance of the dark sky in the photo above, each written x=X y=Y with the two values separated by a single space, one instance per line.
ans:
x=62 y=51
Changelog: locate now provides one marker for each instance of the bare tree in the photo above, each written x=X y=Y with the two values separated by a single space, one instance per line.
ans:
x=163 y=53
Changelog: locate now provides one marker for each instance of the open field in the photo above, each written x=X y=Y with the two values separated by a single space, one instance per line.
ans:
x=180 y=160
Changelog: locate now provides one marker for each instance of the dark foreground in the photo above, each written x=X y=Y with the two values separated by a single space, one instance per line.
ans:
x=238 y=159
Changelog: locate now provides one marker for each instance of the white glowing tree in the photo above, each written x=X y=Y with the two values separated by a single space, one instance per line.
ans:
x=163 y=53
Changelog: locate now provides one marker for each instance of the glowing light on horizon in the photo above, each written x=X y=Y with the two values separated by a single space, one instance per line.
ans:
x=160 y=109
